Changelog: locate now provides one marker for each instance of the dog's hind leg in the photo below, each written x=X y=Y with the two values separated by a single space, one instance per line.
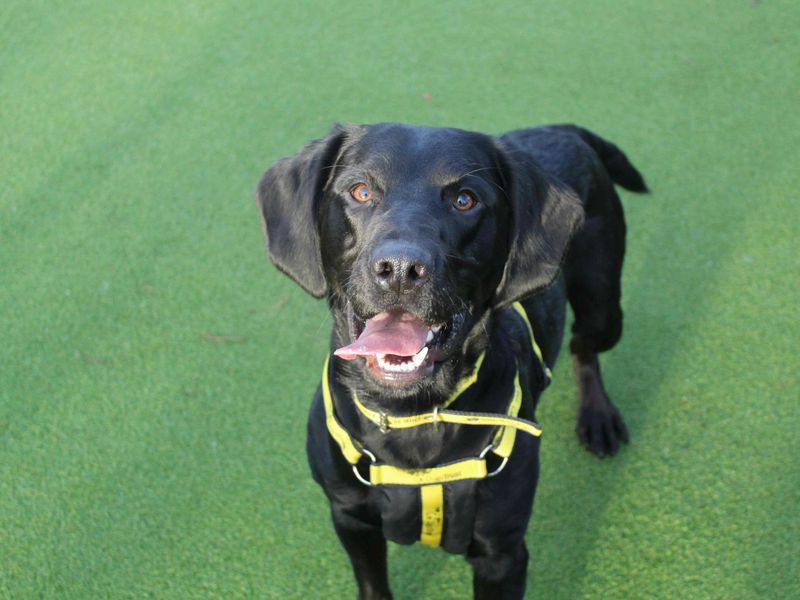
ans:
x=592 y=274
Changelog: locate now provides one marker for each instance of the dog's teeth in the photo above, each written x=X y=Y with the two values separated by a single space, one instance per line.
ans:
x=420 y=356
x=430 y=336
x=436 y=328
x=407 y=364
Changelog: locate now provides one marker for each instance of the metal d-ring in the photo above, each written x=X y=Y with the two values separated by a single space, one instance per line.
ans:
x=500 y=468
x=372 y=458
x=502 y=464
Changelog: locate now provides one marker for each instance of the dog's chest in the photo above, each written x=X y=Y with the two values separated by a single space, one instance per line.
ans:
x=427 y=446
x=402 y=513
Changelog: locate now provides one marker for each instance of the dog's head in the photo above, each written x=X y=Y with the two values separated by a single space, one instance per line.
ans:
x=415 y=235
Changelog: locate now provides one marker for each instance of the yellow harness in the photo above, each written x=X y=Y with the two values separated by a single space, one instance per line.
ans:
x=431 y=479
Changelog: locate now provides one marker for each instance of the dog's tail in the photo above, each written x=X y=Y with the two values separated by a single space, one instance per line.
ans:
x=622 y=172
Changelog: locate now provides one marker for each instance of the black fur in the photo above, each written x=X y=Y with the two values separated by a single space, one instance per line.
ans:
x=547 y=227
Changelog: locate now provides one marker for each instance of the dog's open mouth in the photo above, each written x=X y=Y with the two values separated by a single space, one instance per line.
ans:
x=398 y=346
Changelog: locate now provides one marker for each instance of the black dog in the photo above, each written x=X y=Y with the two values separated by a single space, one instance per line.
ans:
x=424 y=241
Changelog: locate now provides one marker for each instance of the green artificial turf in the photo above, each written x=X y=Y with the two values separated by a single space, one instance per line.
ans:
x=155 y=372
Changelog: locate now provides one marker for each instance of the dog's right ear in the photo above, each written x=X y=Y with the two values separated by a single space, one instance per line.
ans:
x=545 y=215
x=287 y=197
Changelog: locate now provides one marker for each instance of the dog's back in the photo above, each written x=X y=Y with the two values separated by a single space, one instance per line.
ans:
x=578 y=157
x=592 y=267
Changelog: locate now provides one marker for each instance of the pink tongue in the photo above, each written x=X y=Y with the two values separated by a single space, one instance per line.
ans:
x=393 y=332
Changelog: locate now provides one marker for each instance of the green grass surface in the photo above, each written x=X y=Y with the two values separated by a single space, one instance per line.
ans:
x=141 y=458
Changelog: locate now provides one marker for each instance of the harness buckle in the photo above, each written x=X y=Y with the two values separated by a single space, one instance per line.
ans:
x=383 y=423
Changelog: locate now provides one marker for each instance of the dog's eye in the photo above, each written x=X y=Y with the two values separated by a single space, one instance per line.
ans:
x=464 y=201
x=361 y=192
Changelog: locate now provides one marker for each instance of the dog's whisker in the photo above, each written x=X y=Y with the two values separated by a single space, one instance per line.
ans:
x=478 y=170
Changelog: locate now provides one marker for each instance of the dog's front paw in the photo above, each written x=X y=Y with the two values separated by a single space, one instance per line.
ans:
x=601 y=430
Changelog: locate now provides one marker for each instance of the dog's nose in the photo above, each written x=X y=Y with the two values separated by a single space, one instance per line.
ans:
x=401 y=268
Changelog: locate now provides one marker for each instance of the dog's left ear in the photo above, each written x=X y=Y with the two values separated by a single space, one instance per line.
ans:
x=546 y=214
x=287 y=197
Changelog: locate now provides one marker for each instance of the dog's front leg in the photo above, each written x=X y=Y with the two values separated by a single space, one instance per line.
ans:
x=498 y=575
x=366 y=548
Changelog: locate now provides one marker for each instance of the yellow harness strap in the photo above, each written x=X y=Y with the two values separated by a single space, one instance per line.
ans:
x=466 y=381
x=350 y=449
x=536 y=350
x=469 y=468
x=458 y=417
x=432 y=497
